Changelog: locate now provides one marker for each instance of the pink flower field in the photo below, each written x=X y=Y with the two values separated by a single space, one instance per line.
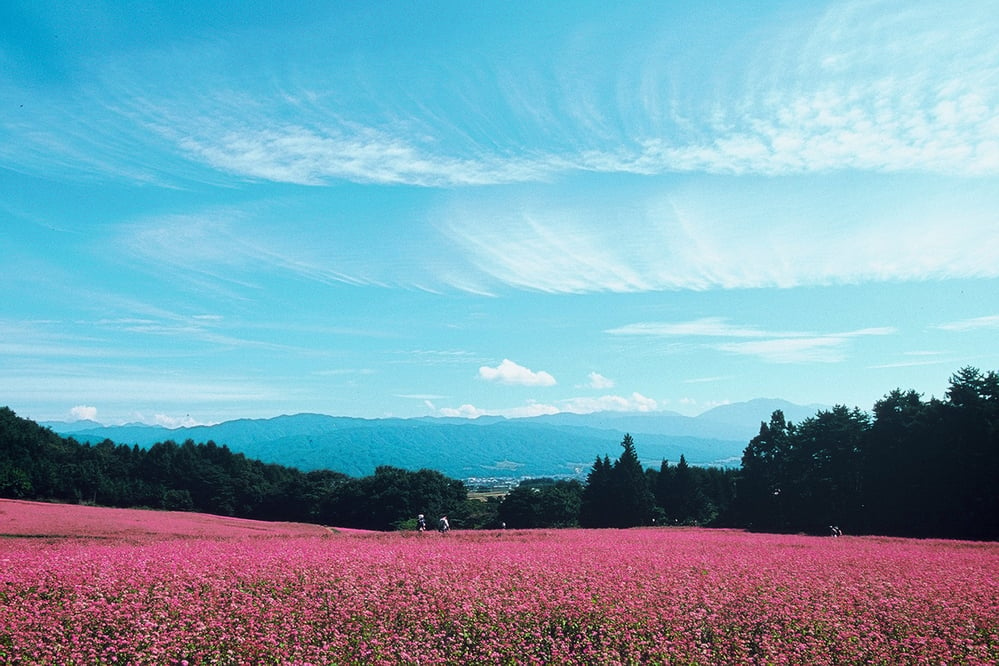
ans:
x=97 y=587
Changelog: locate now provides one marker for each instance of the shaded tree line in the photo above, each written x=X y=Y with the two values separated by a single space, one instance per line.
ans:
x=912 y=467
x=38 y=464
x=621 y=493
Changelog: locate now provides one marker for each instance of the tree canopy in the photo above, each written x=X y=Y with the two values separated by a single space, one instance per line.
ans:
x=912 y=467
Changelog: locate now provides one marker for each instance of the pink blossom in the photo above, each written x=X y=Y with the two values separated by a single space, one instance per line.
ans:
x=101 y=588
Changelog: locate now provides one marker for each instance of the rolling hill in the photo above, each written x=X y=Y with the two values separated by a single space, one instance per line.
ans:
x=554 y=445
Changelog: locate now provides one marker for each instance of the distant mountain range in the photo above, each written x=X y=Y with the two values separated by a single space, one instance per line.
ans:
x=487 y=447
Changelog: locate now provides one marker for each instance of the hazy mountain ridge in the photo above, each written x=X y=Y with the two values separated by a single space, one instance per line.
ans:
x=558 y=444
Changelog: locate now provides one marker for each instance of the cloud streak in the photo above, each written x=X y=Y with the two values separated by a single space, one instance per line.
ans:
x=228 y=252
x=769 y=346
x=727 y=234
x=309 y=157
x=975 y=324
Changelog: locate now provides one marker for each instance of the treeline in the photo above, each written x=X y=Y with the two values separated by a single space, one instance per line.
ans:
x=36 y=463
x=621 y=493
x=910 y=468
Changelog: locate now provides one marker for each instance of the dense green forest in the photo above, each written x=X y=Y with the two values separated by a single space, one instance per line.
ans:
x=36 y=463
x=911 y=467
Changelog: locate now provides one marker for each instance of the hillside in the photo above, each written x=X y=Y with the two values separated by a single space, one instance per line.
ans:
x=21 y=518
x=561 y=444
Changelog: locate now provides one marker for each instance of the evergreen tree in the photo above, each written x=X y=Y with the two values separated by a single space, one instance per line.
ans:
x=823 y=470
x=662 y=490
x=632 y=500
x=896 y=466
x=970 y=481
x=760 y=487
x=618 y=494
x=552 y=504
x=595 y=507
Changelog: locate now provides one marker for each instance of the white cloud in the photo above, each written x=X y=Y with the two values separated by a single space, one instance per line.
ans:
x=598 y=381
x=167 y=421
x=83 y=413
x=693 y=406
x=974 y=324
x=228 y=249
x=425 y=397
x=725 y=234
x=707 y=326
x=509 y=372
x=468 y=411
x=293 y=154
x=775 y=347
x=856 y=86
x=707 y=380
x=636 y=402
x=465 y=411
x=790 y=350
x=801 y=348
x=909 y=364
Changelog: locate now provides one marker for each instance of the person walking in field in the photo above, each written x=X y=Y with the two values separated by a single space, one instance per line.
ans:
x=421 y=523
x=443 y=525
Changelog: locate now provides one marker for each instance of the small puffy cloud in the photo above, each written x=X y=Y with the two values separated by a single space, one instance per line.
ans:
x=598 y=381
x=509 y=372
x=467 y=411
x=636 y=402
x=464 y=412
x=175 y=421
x=84 y=413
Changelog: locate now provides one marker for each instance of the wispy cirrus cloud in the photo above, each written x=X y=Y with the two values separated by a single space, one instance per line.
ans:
x=228 y=251
x=704 y=327
x=854 y=87
x=821 y=349
x=974 y=324
x=916 y=359
x=827 y=348
x=726 y=234
x=770 y=346
x=304 y=156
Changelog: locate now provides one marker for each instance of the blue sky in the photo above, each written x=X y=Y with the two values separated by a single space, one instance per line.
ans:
x=215 y=210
